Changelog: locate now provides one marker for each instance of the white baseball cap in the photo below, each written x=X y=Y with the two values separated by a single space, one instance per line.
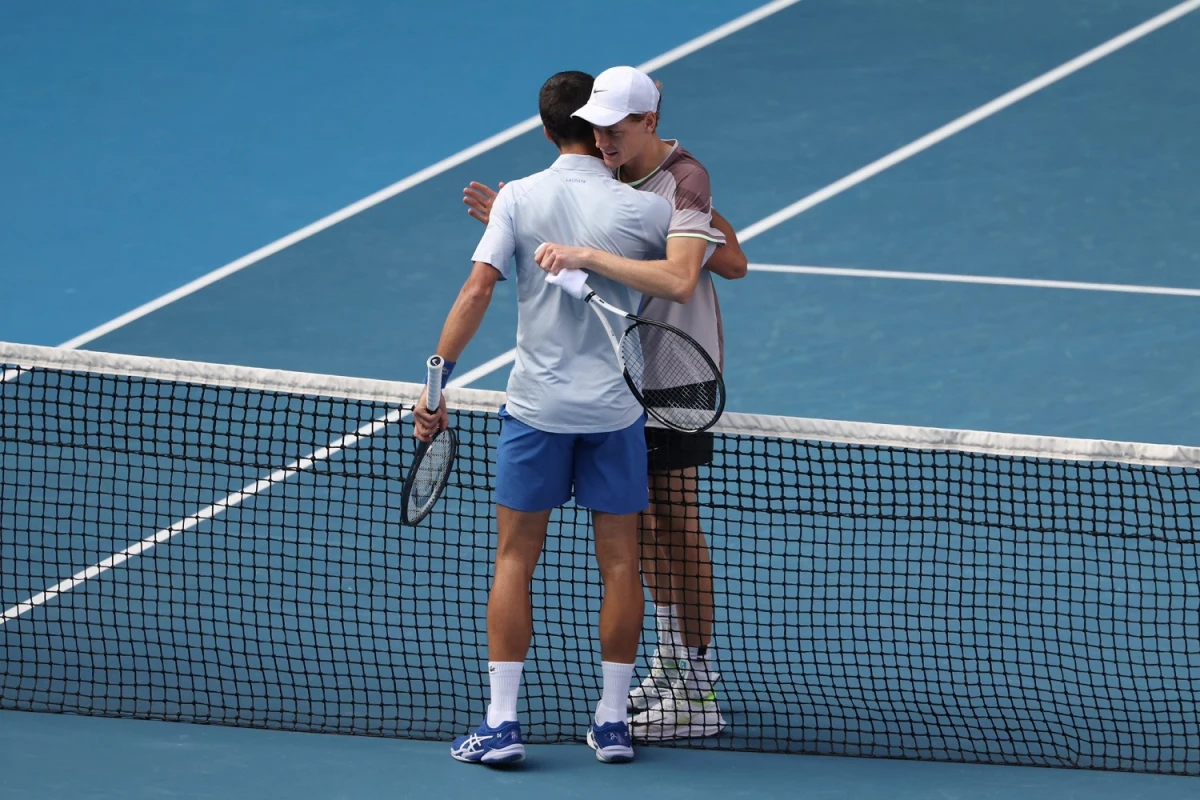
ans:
x=617 y=93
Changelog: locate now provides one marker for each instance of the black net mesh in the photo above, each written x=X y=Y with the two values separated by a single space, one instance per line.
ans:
x=182 y=551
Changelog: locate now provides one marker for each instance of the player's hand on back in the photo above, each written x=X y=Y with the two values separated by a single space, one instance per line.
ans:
x=479 y=198
x=430 y=423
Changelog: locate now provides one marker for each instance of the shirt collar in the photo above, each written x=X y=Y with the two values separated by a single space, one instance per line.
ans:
x=674 y=150
x=577 y=163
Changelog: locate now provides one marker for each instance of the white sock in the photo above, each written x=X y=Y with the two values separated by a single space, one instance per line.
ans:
x=506 y=687
x=670 y=637
x=699 y=678
x=617 y=678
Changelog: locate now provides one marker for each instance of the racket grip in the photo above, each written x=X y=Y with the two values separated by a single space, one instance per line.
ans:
x=433 y=397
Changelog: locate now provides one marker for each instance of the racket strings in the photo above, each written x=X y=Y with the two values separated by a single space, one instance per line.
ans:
x=429 y=476
x=677 y=381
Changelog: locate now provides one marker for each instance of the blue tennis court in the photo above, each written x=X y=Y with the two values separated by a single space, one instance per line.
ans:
x=953 y=220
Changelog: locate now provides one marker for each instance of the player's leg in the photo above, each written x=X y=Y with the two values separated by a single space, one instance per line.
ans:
x=533 y=476
x=689 y=707
x=656 y=574
x=520 y=537
x=674 y=496
x=620 y=631
x=611 y=480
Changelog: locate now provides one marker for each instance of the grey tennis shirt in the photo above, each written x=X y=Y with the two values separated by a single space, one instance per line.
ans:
x=684 y=181
x=566 y=378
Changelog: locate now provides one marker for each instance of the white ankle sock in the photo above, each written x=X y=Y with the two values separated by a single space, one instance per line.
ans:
x=670 y=635
x=505 y=677
x=699 y=677
x=617 y=678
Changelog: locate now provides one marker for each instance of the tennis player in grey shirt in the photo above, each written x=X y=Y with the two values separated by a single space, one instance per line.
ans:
x=570 y=426
x=678 y=696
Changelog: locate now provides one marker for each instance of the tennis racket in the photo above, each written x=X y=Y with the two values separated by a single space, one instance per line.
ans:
x=669 y=373
x=430 y=471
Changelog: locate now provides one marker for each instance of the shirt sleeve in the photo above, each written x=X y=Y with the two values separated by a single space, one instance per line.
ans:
x=498 y=245
x=656 y=222
x=693 y=204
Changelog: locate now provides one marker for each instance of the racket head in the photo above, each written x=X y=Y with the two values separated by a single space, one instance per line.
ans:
x=428 y=476
x=672 y=376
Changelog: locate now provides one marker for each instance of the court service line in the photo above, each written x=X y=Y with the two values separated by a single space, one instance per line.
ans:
x=942 y=277
x=930 y=139
x=492 y=142
x=368 y=429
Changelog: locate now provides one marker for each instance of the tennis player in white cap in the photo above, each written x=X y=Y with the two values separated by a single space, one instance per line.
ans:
x=678 y=697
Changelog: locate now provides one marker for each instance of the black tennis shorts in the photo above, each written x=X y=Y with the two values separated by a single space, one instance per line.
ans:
x=671 y=450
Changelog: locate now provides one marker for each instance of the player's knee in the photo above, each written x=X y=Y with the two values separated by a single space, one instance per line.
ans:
x=621 y=566
x=516 y=562
x=682 y=532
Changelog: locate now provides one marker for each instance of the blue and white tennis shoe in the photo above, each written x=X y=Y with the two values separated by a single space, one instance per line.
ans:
x=611 y=741
x=488 y=745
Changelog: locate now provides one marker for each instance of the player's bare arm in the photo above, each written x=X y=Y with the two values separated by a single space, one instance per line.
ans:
x=673 y=278
x=462 y=322
x=728 y=261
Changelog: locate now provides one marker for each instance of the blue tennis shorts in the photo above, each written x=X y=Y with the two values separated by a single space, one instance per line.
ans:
x=606 y=472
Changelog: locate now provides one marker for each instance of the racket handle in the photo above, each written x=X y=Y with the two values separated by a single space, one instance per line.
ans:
x=433 y=397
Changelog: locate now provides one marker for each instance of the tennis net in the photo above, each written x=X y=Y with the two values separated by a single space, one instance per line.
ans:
x=217 y=544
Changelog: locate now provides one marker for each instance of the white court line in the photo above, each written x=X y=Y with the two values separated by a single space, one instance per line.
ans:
x=977 y=115
x=500 y=361
x=208 y=512
x=946 y=131
x=368 y=429
x=669 y=57
x=942 y=277
x=229 y=501
x=967 y=120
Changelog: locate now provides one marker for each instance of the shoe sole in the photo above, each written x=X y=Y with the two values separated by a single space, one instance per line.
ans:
x=690 y=731
x=622 y=756
x=505 y=755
